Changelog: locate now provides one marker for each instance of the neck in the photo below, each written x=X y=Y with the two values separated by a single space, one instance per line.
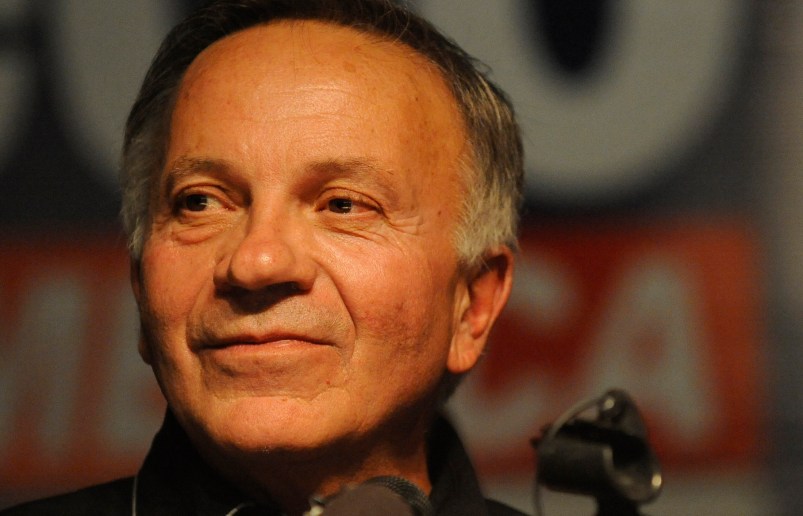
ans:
x=291 y=478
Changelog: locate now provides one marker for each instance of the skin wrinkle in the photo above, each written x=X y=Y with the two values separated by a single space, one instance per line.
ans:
x=410 y=76
x=493 y=154
x=185 y=168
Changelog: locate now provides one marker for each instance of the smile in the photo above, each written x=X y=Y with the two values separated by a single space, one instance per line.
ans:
x=264 y=357
x=212 y=341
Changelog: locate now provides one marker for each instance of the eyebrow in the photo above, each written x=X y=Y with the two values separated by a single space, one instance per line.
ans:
x=350 y=167
x=362 y=169
x=186 y=166
x=359 y=168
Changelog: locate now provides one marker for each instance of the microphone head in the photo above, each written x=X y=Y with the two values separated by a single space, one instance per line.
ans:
x=368 y=500
x=410 y=493
x=389 y=496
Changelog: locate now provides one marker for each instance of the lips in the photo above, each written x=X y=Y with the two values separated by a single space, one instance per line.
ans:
x=259 y=340
x=283 y=324
x=263 y=362
x=219 y=340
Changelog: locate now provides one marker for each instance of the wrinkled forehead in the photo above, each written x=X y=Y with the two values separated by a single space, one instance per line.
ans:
x=381 y=101
x=391 y=67
x=311 y=68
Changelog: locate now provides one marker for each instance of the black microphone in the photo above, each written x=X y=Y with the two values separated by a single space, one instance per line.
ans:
x=389 y=496
x=608 y=457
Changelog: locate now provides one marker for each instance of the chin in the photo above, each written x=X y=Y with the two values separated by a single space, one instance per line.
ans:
x=269 y=424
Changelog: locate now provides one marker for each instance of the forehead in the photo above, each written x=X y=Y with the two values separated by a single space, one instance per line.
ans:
x=293 y=88
x=292 y=39
x=288 y=56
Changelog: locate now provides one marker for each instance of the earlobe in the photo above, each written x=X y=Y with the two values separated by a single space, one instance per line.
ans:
x=485 y=294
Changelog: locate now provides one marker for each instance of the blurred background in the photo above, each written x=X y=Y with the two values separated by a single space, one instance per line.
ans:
x=662 y=243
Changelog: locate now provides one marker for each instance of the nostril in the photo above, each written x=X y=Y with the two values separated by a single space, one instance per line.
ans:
x=251 y=301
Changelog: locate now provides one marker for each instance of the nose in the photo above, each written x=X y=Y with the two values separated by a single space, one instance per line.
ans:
x=265 y=253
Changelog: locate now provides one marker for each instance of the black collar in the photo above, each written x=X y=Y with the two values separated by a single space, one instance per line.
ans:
x=174 y=480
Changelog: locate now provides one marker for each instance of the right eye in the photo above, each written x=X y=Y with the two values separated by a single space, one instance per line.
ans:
x=341 y=205
x=194 y=202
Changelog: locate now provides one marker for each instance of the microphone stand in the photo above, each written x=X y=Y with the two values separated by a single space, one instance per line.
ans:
x=607 y=457
x=616 y=507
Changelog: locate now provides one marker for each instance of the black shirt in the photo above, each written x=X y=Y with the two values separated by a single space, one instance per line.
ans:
x=175 y=481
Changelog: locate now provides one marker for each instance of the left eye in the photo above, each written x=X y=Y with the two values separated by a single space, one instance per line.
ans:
x=341 y=205
x=196 y=202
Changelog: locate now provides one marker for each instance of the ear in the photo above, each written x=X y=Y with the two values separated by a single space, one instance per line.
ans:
x=135 y=273
x=478 y=305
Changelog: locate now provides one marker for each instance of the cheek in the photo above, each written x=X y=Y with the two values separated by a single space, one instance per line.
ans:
x=383 y=292
x=400 y=309
x=171 y=286
x=169 y=294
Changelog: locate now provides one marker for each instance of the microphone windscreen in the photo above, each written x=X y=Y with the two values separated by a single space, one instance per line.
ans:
x=368 y=500
x=410 y=492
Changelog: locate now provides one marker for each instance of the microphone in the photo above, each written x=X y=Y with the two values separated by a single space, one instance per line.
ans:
x=389 y=496
x=607 y=457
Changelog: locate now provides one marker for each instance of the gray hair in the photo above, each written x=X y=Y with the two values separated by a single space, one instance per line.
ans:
x=493 y=170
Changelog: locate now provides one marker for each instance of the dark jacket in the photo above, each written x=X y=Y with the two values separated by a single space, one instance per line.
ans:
x=175 y=481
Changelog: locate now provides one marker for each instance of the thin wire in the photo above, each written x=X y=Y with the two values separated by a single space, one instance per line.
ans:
x=537 y=502
x=134 y=496
x=241 y=506
x=574 y=411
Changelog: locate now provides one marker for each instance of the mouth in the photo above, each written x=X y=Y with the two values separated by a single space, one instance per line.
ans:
x=259 y=362
x=267 y=340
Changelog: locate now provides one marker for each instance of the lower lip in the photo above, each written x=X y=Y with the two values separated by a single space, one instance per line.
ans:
x=262 y=356
x=274 y=347
x=270 y=367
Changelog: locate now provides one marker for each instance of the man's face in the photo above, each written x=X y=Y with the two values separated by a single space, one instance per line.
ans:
x=299 y=285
